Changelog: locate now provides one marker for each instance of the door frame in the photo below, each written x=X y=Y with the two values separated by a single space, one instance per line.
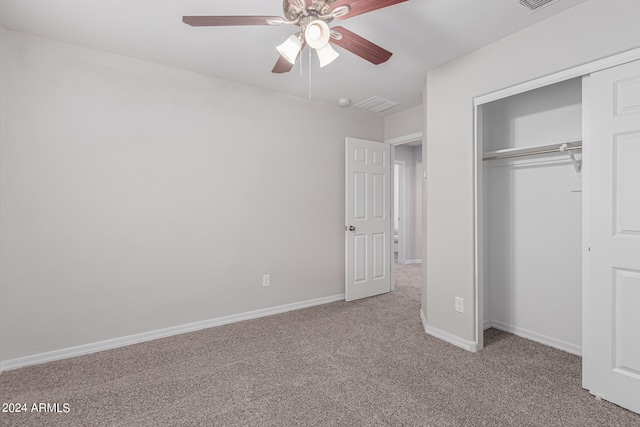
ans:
x=575 y=72
x=404 y=139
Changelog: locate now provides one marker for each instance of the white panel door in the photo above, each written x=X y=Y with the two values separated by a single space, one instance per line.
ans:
x=612 y=362
x=368 y=218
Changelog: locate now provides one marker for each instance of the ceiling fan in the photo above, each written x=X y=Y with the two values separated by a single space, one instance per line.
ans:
x=312 y=17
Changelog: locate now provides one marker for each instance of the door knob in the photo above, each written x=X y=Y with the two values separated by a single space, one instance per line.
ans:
x=351 y=228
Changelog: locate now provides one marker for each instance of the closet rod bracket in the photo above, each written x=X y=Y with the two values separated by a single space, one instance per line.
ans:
x=577 y=164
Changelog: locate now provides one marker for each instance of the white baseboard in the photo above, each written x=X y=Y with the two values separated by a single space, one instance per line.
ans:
x=446 y=336
x=80 y=350
x=487 y=324
x=534 y=336
x=412 y=261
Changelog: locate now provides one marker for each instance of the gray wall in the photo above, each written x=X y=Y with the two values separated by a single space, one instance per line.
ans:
x=137 y=197
x=404 y=123
x=590 y=31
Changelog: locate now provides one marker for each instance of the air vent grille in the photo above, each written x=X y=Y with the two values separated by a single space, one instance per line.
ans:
x=535 y=5
x=376 y=104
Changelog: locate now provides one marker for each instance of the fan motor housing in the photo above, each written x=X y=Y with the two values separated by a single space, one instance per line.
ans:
x=318 y=7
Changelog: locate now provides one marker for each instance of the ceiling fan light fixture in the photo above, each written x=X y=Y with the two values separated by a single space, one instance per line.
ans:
x=326 y=55
x=317 y=34
x=311 y=17
x=290 y=48
x=314 y=32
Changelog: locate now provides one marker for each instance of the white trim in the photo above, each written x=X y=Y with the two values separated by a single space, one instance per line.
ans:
x=405 y=139
x=579 y=71
x=478 y=218
x=446 y=336
x=586 y=226
x=391 y=205
x=411 y=261
x=80 y=350
x=487 y=324
x=534 y=336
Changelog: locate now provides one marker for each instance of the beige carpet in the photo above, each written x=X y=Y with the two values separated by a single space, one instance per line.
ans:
x=408 y=280
x=365 y=363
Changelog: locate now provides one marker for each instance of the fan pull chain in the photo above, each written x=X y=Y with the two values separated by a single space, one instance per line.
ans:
x=301 y=61
x=309 y=73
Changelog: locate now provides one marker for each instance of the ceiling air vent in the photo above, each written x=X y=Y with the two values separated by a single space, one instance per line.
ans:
x=535 y=5
x=376 y=104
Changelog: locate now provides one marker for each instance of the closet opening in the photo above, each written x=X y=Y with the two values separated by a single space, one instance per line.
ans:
x=536 y=275
x=530 y=199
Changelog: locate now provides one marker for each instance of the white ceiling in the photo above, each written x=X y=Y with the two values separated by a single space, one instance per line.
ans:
x=422 y=34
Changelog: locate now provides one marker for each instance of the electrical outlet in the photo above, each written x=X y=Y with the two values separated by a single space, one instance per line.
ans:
x=266 y=280
x=459 y=304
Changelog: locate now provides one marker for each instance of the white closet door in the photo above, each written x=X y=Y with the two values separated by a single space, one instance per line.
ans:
x=612 y=362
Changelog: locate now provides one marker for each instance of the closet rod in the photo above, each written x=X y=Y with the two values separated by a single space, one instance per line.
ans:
x=561 y=148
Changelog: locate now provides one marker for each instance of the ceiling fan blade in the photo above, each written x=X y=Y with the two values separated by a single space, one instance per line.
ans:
x=282 y=66
x=358 y=7
x=224 y=21
x=360 y=46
